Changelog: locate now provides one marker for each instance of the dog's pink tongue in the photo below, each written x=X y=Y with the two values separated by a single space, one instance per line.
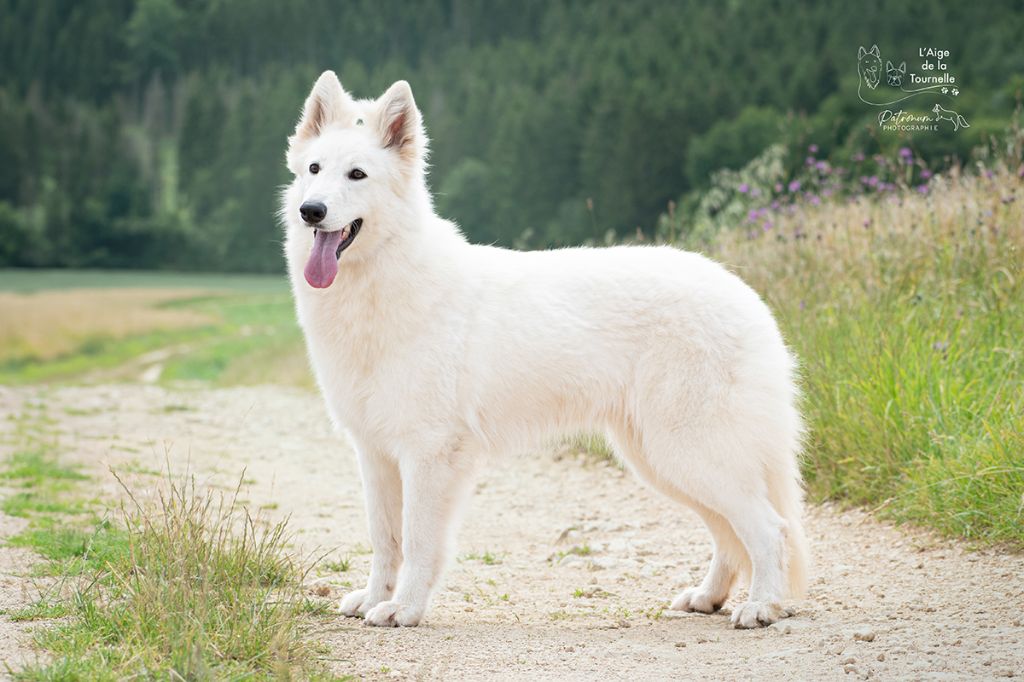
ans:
x=322 y=267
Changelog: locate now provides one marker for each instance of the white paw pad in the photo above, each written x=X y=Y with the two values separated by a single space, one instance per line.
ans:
x=757 y=614
x=393 y=614
x=695 y=599
x=355 y=604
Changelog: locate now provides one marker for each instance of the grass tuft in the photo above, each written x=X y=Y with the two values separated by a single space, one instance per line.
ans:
x=196 y=589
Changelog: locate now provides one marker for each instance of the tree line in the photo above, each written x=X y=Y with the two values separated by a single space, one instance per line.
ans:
x=151 y=133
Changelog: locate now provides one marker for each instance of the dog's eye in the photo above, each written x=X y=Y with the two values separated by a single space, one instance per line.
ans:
x=356 y=174
x=314 y=168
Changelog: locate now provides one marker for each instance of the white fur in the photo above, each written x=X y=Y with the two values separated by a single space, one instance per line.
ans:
x=432 y=352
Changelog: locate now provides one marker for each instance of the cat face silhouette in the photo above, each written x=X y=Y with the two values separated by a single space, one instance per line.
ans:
x=895 y=76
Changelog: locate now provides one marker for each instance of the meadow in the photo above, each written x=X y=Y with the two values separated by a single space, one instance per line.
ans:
x=904 y=301
x=93 y=325
x=906 y=309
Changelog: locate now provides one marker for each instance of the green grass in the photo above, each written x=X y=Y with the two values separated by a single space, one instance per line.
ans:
x=43 y=484
x=487 y=558
x=908 y=318
x=201 y=591
x=191 y=587
x=73 y=550
x=44 y=609
x=258 y=341
x=337 y=566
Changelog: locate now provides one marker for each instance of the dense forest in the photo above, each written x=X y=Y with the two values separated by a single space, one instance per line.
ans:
x=151 y=133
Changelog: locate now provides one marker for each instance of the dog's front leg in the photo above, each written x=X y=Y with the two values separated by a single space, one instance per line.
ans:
x=382 y=487
x=433 y=490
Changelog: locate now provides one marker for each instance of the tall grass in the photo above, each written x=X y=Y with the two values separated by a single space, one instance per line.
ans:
x=202 y=591
x=907 y=312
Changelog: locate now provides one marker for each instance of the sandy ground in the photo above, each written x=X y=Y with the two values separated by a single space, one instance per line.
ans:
x=565 y=564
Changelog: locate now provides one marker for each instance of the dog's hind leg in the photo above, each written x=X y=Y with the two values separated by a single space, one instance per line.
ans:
x=433 y=490
x=725 y=476
x=727 y=562
x=382 y=488
x=729 y=559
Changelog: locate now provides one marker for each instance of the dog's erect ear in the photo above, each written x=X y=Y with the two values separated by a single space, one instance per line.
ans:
x=903 y=67
x=861 y=52
x=398 y=121
x=874 y=51
x=889 y=66
x=327 y=103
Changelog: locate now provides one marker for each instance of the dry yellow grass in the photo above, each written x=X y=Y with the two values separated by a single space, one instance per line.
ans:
x=48 y=324
x=850 y=249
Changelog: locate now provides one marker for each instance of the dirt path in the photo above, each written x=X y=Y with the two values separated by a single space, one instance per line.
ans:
x=564 y=564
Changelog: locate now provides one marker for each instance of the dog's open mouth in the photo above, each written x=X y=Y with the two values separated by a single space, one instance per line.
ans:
x=322 y=267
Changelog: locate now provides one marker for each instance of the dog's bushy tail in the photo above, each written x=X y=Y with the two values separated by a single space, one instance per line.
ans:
x=786 y=493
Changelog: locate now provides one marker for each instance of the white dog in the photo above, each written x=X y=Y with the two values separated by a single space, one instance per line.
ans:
x=432 y=352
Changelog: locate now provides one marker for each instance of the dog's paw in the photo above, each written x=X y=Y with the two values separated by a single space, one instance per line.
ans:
x=393 y=614
x=757 y=614
x=356 y=604
x=695 y=599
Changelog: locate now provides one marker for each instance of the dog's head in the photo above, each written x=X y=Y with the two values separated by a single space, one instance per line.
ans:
x=356 y=165
x=869 y=65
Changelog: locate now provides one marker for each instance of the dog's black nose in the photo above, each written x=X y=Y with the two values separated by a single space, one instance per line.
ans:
x=313 y=212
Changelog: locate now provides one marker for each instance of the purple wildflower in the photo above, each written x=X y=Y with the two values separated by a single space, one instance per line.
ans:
x=794 y=186
x=925 y=173
x=813 y=149
x=906 y=154
x=744 y=188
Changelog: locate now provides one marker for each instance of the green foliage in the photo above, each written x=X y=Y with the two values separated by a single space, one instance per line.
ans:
x=150 y=133
x=906 y=310
x=732 y=143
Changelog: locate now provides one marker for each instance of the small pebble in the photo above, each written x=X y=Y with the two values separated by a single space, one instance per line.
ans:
x=880 y=657
x=680 y=645
x=864 y=635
